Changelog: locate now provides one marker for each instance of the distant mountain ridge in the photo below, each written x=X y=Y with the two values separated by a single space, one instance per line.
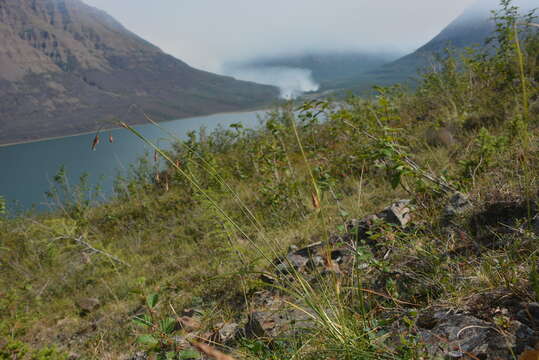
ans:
x=326 y=65
x=66 y=67
x=473 y=27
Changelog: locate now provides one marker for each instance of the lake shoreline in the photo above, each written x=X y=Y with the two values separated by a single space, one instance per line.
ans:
x=134 y=124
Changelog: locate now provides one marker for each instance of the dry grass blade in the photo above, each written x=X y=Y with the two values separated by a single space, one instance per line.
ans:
x=212 y=352
x=95 y=142
x=529 y=24
x=316 y=200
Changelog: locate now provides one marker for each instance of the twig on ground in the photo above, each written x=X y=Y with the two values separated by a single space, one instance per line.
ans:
x=81 y=241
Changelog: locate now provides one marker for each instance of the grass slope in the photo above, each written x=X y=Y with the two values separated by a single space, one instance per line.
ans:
x=200 y=232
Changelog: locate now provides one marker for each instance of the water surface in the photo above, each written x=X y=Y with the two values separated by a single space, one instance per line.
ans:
x=27 y=170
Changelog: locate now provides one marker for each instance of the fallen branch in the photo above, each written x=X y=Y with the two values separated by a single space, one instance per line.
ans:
x=80 y=241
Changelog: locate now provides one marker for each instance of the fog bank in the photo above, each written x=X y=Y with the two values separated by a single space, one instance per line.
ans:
x=291 y=81
x=207 y=33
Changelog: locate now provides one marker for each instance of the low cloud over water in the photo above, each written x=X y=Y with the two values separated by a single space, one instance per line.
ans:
x=292 y=82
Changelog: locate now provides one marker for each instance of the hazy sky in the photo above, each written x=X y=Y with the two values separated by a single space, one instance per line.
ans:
x=204 y=33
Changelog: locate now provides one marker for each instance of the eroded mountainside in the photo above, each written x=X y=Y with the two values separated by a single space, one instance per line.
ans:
x=66 y=67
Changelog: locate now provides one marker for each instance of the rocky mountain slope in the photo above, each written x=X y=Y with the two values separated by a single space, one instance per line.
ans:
x=66 y=67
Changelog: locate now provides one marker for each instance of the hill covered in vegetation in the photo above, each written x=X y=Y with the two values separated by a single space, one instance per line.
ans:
x=400 y=227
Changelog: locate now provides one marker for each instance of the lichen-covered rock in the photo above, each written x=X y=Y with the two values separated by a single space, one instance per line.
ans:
x=226 y=333
x=495 y=327
x=274 y=317
x=461 y=336
x=458 y=204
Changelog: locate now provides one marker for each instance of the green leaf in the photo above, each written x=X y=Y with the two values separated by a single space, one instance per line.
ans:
x=147 y=340
x=189 y=354
x=144 y=320
x=152 y=300
x=167 y=325
x=395 y=180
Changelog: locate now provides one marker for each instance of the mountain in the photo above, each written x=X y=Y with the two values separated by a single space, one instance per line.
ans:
x=66 y=67
x=473 y=27
x=324 y=66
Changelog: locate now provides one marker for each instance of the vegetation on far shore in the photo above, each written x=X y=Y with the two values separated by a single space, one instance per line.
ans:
x=199 y=233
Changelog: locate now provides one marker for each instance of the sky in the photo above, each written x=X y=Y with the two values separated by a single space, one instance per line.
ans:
x=207 y=33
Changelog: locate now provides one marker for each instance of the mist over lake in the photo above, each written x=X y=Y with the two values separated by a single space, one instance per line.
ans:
x=292 y=82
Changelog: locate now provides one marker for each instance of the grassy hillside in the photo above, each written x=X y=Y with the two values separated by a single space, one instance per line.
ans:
x=279 y=243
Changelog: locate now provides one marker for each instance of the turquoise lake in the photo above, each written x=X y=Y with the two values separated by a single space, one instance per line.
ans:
x=27 y=170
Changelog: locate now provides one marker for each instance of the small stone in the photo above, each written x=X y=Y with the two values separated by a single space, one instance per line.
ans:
x=87 y=305
x=298 y=259
x=458 y=204
x=398 y=213
x=533 y=309
x=535 y=225
x=258 y=325
x=141 y=355
x=226 y=333
x=529 y=314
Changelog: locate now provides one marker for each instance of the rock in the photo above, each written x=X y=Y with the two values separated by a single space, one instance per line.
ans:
x=226 y=333
x=529 y=315
x=533 y=310
x=458 y=204
x=337 y=254
x=141 y=355
x=274 y=318
x=87 y=305
x=274 y=324
x=535 y=225
x=398 y=213
x=259 y=324
x=458 y=336
x=299 y=259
